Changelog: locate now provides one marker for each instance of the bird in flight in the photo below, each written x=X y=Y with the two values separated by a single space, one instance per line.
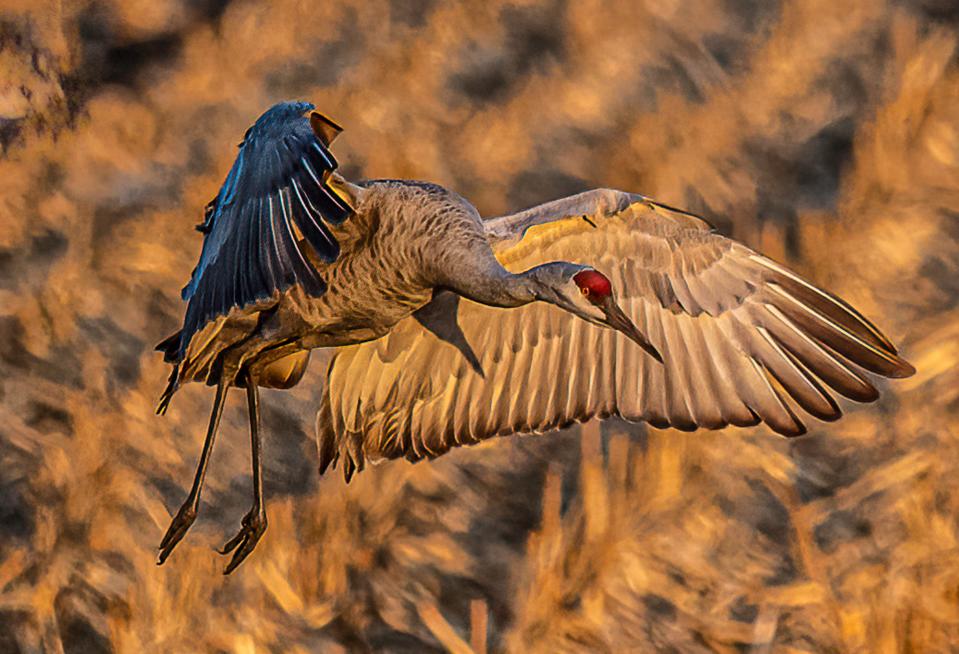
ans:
x=449 y=328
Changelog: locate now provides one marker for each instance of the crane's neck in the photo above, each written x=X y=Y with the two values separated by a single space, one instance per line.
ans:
x=487 y=282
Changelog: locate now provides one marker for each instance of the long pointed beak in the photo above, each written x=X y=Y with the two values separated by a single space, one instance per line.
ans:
x=619 y=321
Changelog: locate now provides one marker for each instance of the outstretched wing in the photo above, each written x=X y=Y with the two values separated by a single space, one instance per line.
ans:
x=276 y=191
x=737 y=331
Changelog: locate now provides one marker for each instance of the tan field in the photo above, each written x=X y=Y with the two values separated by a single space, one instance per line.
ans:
x=823 y=133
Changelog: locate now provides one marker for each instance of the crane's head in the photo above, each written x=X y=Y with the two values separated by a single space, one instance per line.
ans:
x=588 y=293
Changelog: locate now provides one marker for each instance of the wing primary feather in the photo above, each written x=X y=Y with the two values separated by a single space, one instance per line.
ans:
x=267 y=256
x=308 y=167
x=834 y=307
x=773 y=409
x=216 y=300
x=837 y=410
x=325 y=202
x=305 y=274
x=340 y=209
x=328 y=161
x=807 y=393
x=316 y=234
x=231 y=279
x=839 y=338
x=277 y=229
x=245 y=290
x=232 y=180
x=254 y=268
x=822 y=362
x=753 y=385
x=286 y=250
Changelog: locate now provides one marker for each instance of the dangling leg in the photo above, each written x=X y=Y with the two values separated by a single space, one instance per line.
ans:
x=254 y=522
x=187 y=513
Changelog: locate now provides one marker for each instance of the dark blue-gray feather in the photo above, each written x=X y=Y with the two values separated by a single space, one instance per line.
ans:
x=249 y=248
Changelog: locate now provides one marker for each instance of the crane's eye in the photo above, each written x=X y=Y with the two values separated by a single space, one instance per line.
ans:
x=594 y=286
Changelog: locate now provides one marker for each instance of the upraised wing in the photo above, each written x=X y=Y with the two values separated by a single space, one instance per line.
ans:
x=276 y=191
x=737 y=331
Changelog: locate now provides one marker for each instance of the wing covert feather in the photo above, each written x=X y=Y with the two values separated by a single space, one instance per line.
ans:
x=738 y=334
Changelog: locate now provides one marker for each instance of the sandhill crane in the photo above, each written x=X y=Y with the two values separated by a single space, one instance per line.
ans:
x=451 y=329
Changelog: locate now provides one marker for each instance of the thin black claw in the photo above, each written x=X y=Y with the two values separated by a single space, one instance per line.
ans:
x=232 y=543
x=180 y=524
x=254 y=525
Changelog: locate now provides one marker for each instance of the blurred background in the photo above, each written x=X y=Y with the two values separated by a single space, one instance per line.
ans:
x=823 y=133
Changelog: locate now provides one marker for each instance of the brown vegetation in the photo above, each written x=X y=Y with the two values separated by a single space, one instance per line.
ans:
x=822 y=132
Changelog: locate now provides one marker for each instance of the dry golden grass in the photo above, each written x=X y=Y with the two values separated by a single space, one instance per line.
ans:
x=822 y=132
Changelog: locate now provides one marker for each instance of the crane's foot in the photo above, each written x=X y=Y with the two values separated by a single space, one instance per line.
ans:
x=180 y=524
x=254 y=525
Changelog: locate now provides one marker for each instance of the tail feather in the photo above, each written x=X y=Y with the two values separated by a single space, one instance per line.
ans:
x=173 y=383
x=170 y=346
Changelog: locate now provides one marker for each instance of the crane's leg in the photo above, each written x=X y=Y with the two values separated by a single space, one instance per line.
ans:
x=254 y=522
x=184 y=518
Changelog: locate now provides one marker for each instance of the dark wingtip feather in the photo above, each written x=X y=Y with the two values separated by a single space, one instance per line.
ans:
x=903 y=369
x=867 y=397
x=797 y=428
x=830 y=305
x=800 y=430
x=854 y=344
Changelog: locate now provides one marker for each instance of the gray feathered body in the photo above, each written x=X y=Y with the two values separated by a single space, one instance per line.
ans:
x=405 y=239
